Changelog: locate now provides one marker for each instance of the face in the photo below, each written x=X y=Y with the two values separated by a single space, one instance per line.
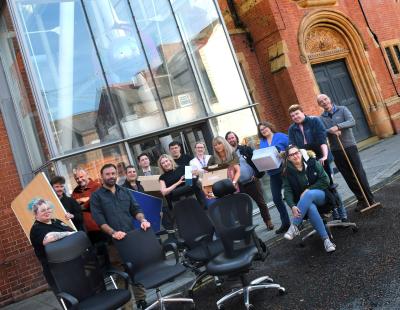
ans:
x=265 y=131
x=166 y=164
x=131 y=174
x=44 y=213
x=294 y=155
x=175 y=151
x=81 y=178
x=109 y=176
x=232 y=140
x=219 y=147
x=59 y=189
x=200 y=149
x=297 y=116
x=325 y=102
x=144 y=161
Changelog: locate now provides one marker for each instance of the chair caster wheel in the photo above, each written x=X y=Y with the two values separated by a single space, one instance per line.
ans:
x=250 y=307
x=282 y=291
x=220 y=307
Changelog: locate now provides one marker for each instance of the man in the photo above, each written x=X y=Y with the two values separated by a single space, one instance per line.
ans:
x=114 y=209
x=81 y=194
x=175 y=150
x=145 y=168
x=248 y=181
x=70 y=204
x=308 y=132
x=338 y=122
x=131 y=181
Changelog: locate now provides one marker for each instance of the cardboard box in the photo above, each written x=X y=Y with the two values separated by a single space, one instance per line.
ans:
x=266 y=158
x=150 y=183
x=211 y=177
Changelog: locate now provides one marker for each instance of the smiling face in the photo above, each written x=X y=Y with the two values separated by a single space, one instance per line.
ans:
x=59 y=189
x=219 y=147
x=199 y=149
x=44 y=213
x=81 y=178
x=265 y=131
x=144 y=162
x=131 y=174
x=325 y=102
x=109 y=176
x=297 y=116
x=294 y=156
x=231 y=138
x=166 y=164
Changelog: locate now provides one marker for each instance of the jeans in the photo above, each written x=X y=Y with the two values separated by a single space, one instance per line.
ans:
x=340 y=212
x=276 y=191
x=308 y=207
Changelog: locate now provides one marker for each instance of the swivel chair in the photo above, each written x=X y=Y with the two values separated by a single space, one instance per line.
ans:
x=196 y=233
x=145 y=262
x=232 y=217
x=78 y=278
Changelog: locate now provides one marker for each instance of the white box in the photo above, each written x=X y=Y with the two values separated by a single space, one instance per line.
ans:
x=266 y=158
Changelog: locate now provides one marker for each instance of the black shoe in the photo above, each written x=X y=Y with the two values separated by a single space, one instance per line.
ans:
x=141 y=304
x=282 y=229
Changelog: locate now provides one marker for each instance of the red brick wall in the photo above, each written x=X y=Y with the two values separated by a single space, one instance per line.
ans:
x=20 y=272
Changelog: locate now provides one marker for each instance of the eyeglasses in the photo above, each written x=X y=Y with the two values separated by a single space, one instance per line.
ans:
x=48 y=209
x=294 y=154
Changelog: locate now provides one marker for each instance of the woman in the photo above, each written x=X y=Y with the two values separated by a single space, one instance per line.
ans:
x=223 y=155
x=172 y=176
x=201 y=159
x=269 y=137
x=45 y=230
x=306 y=187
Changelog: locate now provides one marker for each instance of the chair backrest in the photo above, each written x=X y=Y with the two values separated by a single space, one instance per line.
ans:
x=192 y=221
x=139 y=248
x=74 y=266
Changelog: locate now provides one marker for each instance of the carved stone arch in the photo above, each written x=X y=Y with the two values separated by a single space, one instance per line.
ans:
x=327 y=35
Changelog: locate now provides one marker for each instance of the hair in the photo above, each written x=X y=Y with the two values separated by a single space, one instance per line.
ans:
x=200 y=142
x=141 y=155
x=286 y=157
x=173 y=143
x=107 y=166
x=58 y=179
x=128 y=167
x=265 y=124
x=228 y=150
x=77 y=169
x=167 y=157
x=35 y=203
x=231 y=132
x=295 y=107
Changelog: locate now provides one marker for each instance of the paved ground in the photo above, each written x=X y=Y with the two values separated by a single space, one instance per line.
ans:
x=380 y=161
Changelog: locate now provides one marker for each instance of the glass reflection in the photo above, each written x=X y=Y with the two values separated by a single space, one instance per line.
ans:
x=170 y=67
x=66 y=66
x=209 y=49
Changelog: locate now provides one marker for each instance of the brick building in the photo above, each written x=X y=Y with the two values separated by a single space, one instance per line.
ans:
x=291 y=50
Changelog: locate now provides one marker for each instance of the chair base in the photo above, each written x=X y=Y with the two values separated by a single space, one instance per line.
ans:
x=256 y=284
x=162 y=300
x=202 y=279
x=328 y=225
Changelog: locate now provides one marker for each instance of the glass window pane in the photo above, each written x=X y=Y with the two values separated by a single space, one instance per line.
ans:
x=209 y=49
x=92 y=162
x=128 y=76
x=170 y=67
x=67 y=72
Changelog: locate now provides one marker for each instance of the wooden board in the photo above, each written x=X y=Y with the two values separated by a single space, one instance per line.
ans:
x=39 y=187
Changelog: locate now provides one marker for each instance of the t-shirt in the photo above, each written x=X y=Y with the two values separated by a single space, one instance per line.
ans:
x=173 y=176
x=184 y=160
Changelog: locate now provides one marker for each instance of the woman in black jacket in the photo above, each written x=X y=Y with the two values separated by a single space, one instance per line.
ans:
x=306 y=187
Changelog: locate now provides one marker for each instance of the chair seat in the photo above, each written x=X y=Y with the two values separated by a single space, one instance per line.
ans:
x=199 y=254
x=158 y=274
x=240 y=261
x=111 y=299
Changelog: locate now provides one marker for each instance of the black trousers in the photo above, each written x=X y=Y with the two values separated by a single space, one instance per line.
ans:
x=345 y=170
x=254 y=190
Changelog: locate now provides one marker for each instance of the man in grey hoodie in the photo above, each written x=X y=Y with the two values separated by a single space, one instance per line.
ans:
x=338 y=122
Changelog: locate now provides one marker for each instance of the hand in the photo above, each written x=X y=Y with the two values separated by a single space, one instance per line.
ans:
x=322 y=160
x=144 y=225
x=69 y=216
x=305 y=191
x=296 y=212
x=210 y=195
x=119 y=235
x=195 y=172
x=181 y=180
x=333 y=129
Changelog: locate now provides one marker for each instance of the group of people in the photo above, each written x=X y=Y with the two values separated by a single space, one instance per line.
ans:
x=106 y=210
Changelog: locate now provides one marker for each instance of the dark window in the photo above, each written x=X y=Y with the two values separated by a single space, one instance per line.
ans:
x=397 y=51
x=391 y=60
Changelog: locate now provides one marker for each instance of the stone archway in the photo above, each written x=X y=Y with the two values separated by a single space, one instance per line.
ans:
x=327 y=35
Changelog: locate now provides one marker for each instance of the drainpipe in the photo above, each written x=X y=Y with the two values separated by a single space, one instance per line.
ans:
x=239 y=23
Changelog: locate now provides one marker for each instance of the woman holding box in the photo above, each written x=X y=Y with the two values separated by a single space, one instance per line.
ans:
x=269 y=137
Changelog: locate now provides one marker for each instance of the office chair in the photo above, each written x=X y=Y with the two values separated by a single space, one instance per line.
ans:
x=232 y=217
x=196 y=233
x=144 y=260
x=78 y=278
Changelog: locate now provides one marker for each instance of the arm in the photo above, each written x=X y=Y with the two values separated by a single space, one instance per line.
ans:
x=288 y=192
x=97 y=210
x=323 y=179
x=56 y=235
x=166 y=190
x=236 y=176
x=137 y=213
x=282 y=142
x=348 y=121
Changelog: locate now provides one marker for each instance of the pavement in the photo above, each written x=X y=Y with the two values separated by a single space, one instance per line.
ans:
x=350 y=282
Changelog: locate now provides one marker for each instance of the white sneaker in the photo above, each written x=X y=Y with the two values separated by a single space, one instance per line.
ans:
x=292 y=232
x=329 y=245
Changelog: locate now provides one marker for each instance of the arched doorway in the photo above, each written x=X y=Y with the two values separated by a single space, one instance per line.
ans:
x=329 y=39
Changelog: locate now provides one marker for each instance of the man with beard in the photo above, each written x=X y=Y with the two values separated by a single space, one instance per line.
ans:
x=114 y=209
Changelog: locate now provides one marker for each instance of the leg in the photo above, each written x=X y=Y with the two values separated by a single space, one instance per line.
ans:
x=276 y=191
x=139 y=293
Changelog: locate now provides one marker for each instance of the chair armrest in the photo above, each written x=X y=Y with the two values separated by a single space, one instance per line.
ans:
x=172 y=247
x=124 y=275
x=69 y=298
x=201 y=238
x=250 y=228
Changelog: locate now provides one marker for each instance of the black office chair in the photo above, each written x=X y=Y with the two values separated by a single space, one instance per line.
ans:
x=196 y=233
x=78 y=278
x=232 y=217
x=145 y=262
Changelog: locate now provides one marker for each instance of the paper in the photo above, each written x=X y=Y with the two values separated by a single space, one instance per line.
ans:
x=267 y=158
x=150 y=183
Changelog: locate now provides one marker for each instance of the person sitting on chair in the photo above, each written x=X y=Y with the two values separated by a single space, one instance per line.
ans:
x=306 y=189
x=45 y=230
